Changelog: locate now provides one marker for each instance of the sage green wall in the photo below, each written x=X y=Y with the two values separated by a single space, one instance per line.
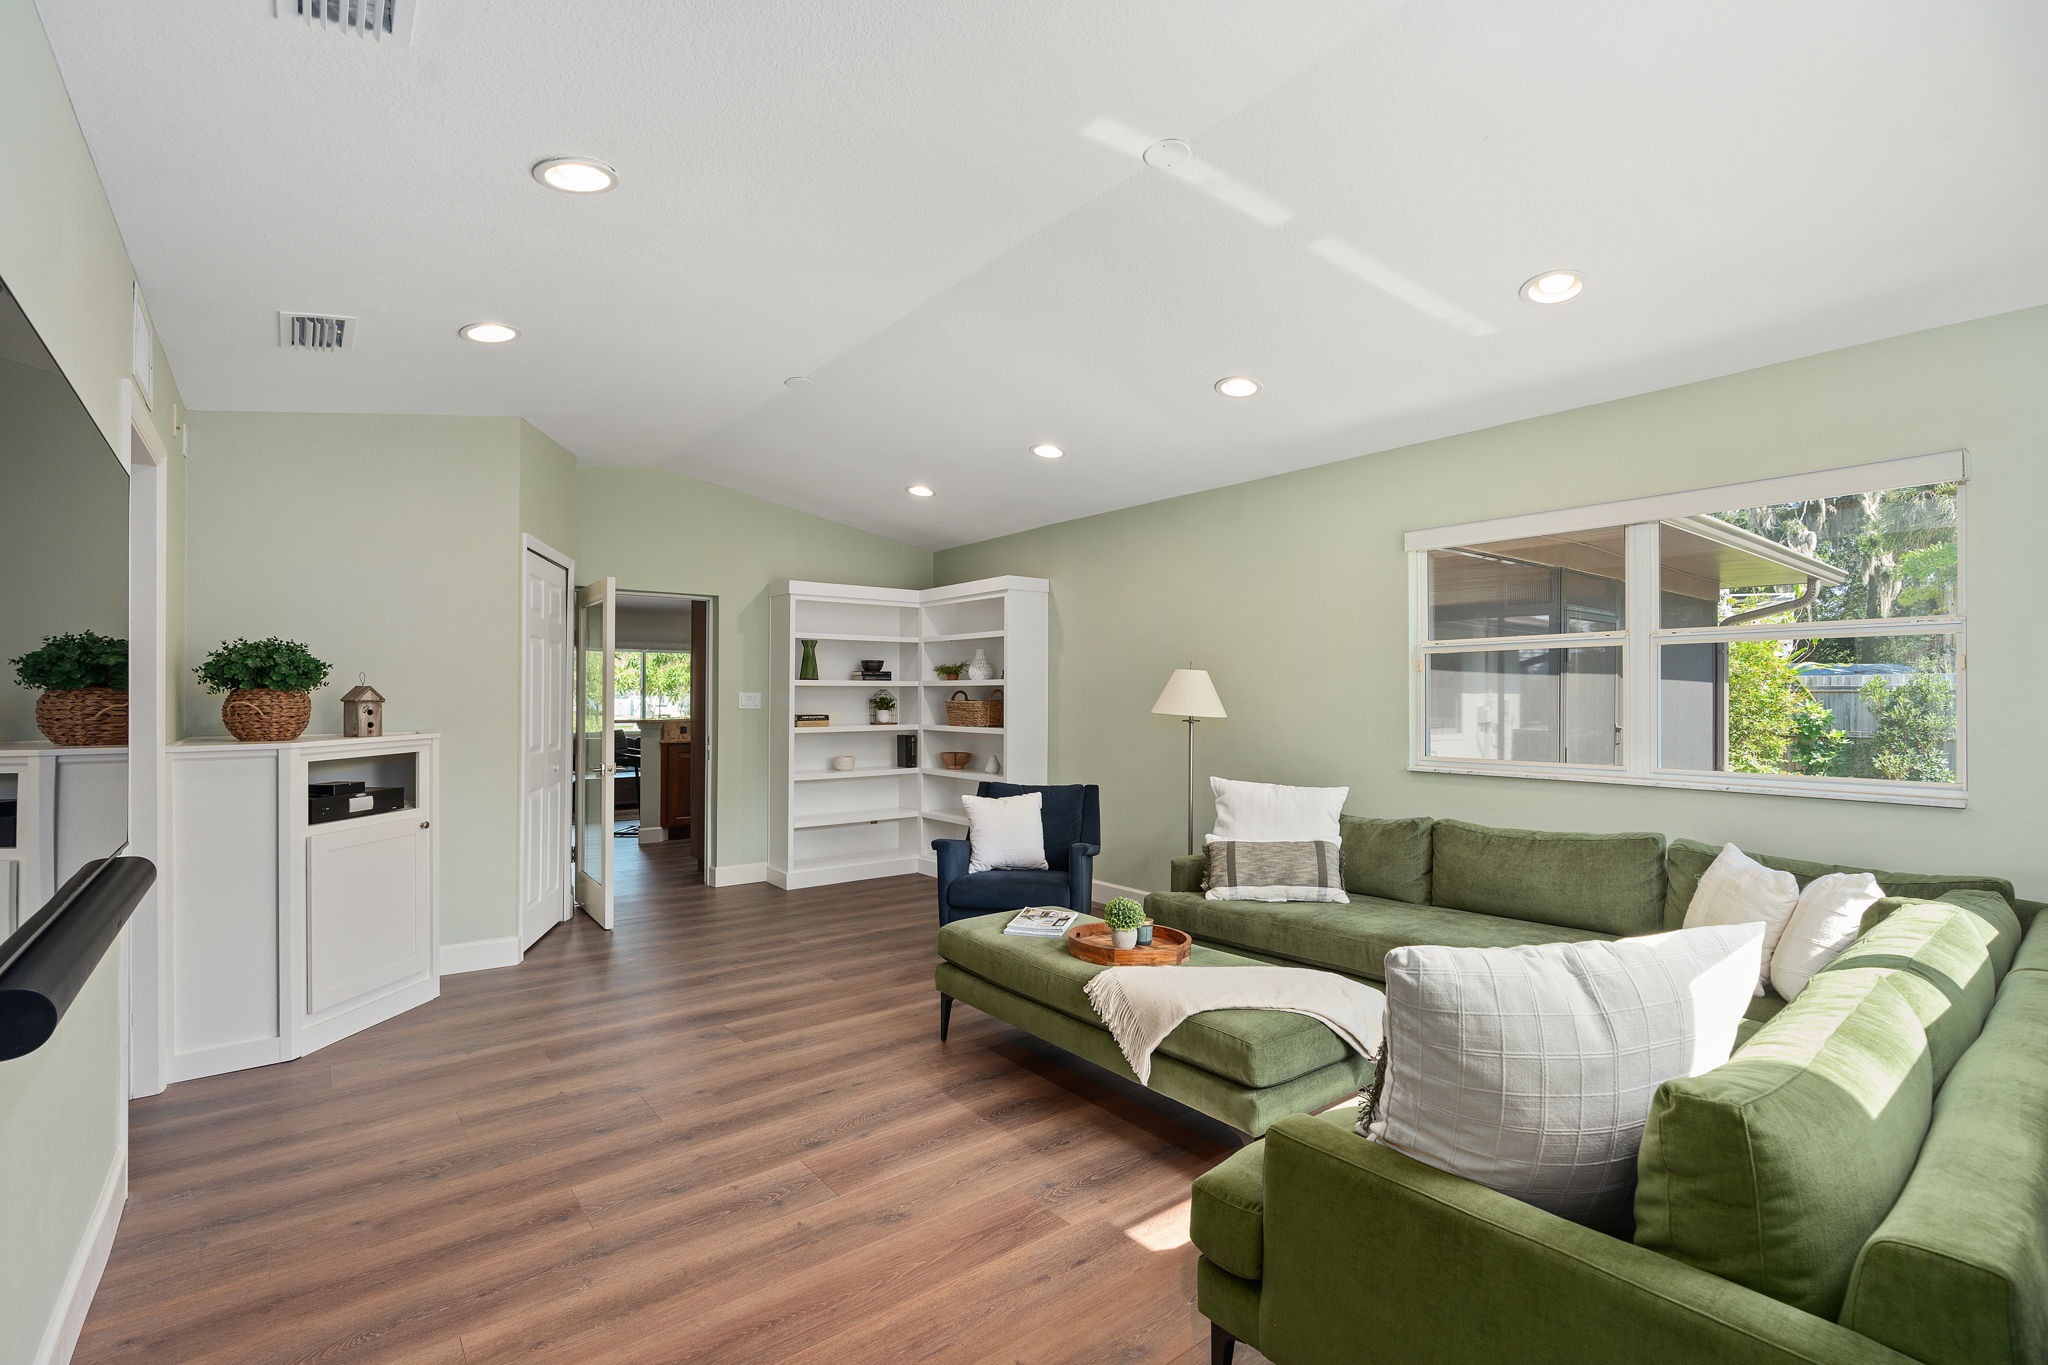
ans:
x=390 y=546
x=547 y=490
x=659 y=531
x=62 y=1120
x=1291 y=591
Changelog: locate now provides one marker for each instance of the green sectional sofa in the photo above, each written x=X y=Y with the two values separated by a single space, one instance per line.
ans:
x=1865 y=1180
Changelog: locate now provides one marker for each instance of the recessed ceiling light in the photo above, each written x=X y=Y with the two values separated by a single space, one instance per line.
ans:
x=1237 y=386
x=1168 y=154
x=918 y=490
x=489 y=333
x=797 y=381
x=1553 y=286
x=576 y=175
x=1046 y=450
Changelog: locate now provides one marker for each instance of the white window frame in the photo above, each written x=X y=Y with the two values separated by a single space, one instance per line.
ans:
x=1643 y=636
x=643 y=651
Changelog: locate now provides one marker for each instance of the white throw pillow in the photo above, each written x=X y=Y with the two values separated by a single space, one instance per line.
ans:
x=1265 y=813
x=1004 y=831
x=1530 y=1070
x=1827 y=919
x=1737 y=889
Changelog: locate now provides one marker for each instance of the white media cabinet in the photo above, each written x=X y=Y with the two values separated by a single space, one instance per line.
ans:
x=878 y=819
x=288 y=935
x=71 y=805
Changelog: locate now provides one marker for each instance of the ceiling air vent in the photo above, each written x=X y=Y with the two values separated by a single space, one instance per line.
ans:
x=382 y=19
x=315 y=332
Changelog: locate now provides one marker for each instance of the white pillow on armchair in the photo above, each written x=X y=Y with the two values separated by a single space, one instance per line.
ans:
x=1005 y=832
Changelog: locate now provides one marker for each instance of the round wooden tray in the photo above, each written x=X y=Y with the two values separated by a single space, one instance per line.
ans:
x=1090 y=943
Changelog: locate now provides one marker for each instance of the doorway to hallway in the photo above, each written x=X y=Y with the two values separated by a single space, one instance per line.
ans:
x=663 y=662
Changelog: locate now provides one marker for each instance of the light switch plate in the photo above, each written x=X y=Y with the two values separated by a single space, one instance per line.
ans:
x=750 y=701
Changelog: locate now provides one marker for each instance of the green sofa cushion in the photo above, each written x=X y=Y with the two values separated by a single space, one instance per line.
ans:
x=1255 y=1048
x=1227 y=1214
x=1773 y=1169
x=1354 y=939
x=1386 y=858
x=1611 y=884
x=1689 y=859
x=1950 y=957
x=2033 y=953
x=1991 y=917
x=1957 y=1273
x=1761 y=1011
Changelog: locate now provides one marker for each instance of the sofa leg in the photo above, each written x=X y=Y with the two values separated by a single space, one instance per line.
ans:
x=945 y=1015
x=1222 y=1346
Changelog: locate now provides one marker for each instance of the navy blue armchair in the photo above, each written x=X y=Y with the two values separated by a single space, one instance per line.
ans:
x=1072 y=817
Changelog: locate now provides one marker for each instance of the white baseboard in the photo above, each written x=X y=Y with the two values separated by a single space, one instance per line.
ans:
x=1104 y=892
x=82 y=1280
x=735 y=874
x=215 y=1061
x=479 y=955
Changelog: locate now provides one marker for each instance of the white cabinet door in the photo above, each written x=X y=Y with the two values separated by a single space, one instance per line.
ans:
x=369 y=909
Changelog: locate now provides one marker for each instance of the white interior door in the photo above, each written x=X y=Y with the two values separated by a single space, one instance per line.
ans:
x=545 y=827
x=597 y=639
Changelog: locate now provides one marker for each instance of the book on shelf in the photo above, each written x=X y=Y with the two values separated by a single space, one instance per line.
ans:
x=884 y=676
x=812 y=722
x=1041 y=922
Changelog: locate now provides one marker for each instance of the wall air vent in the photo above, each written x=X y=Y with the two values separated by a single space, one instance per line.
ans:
x=385 y=20
x=315 y=332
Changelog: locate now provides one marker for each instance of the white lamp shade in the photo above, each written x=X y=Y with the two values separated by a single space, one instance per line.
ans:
x=1189 y=693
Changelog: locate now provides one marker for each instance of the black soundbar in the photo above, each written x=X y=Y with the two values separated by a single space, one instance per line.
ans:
x=46 y=962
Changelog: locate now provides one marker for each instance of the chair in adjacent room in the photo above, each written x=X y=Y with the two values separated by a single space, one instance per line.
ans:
x=1072 y=821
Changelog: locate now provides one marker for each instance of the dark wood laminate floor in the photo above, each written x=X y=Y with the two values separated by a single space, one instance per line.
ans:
x=726 y=1132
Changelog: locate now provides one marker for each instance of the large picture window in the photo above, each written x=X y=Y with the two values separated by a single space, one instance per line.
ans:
x=1798 y=636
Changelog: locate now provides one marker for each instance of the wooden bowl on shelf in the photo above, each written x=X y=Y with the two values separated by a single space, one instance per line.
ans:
x=1091 y=943
x=956 y=759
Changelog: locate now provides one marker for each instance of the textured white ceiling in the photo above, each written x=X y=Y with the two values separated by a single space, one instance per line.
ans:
x=935 y=209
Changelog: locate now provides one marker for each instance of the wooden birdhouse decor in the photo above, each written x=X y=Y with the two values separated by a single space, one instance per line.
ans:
x=362 y=709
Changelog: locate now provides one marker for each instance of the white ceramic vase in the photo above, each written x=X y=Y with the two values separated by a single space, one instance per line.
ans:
x=1123 y=939
x=979 y=668
x=994 y=765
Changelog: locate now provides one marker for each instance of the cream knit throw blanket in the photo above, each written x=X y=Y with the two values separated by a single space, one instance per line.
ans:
x=1141 y=1005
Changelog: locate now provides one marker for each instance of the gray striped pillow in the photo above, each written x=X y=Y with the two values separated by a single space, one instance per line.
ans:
x=1304 y=870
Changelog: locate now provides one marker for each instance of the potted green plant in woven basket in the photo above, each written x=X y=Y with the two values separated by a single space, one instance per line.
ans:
x=84 y=682
x=1123 y=916
x=269 y=685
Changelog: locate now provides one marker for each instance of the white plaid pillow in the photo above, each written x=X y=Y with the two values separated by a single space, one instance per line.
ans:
x=1530 y=1070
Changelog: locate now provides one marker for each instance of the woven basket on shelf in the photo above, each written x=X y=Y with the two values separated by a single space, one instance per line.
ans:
x=257 y=714
x=979 y=714
x=83 y=716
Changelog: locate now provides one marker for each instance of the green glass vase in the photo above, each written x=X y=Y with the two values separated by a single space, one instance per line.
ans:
x=807 y=671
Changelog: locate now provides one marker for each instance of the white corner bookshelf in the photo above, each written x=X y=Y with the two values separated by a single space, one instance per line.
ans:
x=878 y=820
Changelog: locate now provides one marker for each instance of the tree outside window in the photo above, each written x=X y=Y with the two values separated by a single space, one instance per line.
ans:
x=651 y=684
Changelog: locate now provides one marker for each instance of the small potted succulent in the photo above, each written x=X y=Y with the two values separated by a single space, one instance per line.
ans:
x=882 y=707
x=84 y=682
x=950 y=672
x=269 y=685
x=1123 y=916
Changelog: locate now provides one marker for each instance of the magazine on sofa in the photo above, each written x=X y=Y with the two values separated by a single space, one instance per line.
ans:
x=1042 y=922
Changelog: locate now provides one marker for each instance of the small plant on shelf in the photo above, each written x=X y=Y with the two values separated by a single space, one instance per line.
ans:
x=269 y=685
x=84 y=682
x=1123 y=916
x=950 y=672
x=883 y=708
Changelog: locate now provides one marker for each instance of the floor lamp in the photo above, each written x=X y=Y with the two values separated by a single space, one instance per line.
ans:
x=1190 y=695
